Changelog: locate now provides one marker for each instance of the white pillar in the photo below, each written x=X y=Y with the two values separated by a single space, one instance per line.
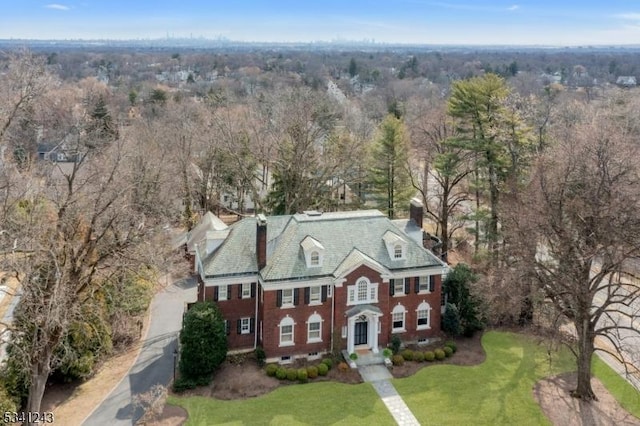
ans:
x=373 y=333
x=351 y=322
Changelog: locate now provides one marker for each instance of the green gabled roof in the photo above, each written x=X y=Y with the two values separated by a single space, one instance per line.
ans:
x=339 y=233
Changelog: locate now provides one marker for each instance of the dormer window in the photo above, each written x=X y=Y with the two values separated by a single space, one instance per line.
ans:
x=313 y=252
x=396 y=245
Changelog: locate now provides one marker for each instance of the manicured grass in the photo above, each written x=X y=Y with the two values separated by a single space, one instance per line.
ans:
x=621 y=390
x=496 y=392
x=323 y=403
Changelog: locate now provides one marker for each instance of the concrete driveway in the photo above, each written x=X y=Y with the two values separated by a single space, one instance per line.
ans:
x=155 y=363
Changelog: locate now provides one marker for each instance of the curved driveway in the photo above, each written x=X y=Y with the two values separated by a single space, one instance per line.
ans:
x=155 y=362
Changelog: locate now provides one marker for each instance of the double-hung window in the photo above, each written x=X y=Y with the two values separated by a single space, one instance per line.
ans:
x=398 y=318
x=287 y=297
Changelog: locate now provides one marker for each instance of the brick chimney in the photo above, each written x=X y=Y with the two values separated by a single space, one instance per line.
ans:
x=261 y=241
x=416 y=211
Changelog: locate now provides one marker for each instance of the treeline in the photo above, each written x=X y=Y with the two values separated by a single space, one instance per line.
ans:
x=158 y=139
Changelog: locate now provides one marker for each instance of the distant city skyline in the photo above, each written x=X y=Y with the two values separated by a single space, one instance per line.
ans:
x=527 y=22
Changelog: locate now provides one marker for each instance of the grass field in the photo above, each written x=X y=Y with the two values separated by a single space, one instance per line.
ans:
x=496 y=392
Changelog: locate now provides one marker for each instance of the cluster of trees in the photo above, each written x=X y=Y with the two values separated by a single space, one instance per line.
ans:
x=491 y=158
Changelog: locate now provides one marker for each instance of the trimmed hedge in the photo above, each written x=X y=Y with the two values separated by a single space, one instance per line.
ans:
x=407 y=354
x=281 y=373
x=303 y=377
x=312 y=371
x=418 y=356
x=439 y=353
x=323 y=369
x=452 y=345
x=429 y=356
x=328 y=362
x=271 y=370
x=292 y=374
x=397 y=360
x=447 y=351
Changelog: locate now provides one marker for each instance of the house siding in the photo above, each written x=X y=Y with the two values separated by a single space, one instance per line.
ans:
x=232 y=310
x=272 y=315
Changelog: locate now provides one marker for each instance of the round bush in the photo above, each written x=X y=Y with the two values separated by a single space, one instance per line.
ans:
x=452 y=345
x=323 y=369
x=447 y=351
x=353 y=356
x=439 y=354
x=328 y=362
x=407 y=354
x=429 y=356
x=418 y=356
x=303 y=377
x=387 y=353
x=271 y=370
x=292 y=374
x=281 y=373
x=397 y=360
x=312 y=371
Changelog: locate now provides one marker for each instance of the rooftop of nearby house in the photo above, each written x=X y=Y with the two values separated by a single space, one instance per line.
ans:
x=342 y=238
x=210 y=223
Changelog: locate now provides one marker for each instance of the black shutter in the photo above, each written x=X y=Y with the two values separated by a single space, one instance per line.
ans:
x=432 y=283
x=215 y=294
x=252 y=325
x=296 y=296
x=407 y=285
x=229 y=292
x=279 y=298
x=307 y=295
x=239 y=322
x=239 y=291
x=253 y=290
x=391 y=287
x=324 y=294
x=417 y=284
x=227 y=327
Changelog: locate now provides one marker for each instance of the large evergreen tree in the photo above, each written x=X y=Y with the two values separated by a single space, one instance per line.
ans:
x=390 y=178
x=203 y=341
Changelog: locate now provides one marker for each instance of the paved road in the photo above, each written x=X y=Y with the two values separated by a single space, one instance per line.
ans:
x=155 y=361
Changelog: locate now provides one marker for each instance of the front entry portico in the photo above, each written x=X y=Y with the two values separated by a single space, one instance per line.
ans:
x=362 y=327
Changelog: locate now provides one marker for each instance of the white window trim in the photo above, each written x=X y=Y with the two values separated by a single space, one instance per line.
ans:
x=397 y=310
x=246 y=288
x=371 y=295
x=245 y=325
x=287 y=322
x=222 y=288
x=318 y=301
x=284 y=303
x=397 y=293
x=314 y=319
x=426 y=278
x=424 y=306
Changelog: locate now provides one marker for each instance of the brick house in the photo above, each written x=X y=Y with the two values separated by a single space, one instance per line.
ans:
x=300 y=285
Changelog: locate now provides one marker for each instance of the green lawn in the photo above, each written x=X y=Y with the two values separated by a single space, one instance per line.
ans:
x=322 y=403
x=497 y=392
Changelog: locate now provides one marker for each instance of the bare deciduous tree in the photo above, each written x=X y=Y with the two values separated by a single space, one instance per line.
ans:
x=581 y=211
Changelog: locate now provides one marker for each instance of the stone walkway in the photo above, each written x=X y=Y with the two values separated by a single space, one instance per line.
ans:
x=379 y=376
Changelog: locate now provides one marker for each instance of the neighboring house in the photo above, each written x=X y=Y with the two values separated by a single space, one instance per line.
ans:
x=209 y=232
x=626 y=81
x=54 y=152
x=301 y=285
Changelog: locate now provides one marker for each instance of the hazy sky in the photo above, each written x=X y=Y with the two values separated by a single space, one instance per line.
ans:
x=559 y=22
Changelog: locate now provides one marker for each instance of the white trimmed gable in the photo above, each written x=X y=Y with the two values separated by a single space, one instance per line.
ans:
x=396 y=245
x=313 y=252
